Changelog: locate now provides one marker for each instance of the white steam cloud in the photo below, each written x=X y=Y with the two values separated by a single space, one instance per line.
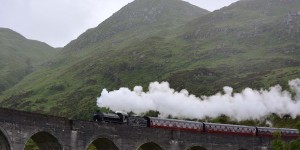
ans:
x=249 y=104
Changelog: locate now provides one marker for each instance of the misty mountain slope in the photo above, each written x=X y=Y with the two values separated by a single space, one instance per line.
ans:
x=85 y=65
x=19 y=57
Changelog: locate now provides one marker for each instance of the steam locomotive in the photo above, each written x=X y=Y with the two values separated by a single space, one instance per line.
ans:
x=202 y=127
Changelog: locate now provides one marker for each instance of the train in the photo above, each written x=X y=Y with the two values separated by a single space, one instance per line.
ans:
x=193 y=126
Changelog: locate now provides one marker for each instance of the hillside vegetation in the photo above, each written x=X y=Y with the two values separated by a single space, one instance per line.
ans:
x=252 y=43
x=19 y=57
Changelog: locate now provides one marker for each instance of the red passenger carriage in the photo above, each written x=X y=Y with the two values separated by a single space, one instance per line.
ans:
x=176 y=124
x=230 y=129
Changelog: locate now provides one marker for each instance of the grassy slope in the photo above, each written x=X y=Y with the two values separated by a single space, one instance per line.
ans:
x=19 y=57
x=246 y=44
x=73 y=82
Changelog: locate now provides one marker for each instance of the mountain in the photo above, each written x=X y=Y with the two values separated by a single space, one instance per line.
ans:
x=138 y=20
x=19 y=57
x=73 y=80
x=251 y=43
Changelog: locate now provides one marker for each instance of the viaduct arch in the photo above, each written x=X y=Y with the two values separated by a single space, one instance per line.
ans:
x=103 y=143
x=150 y=146
x=46 y=141
x=4 y=143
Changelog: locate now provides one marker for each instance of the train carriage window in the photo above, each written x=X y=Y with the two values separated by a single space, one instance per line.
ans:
x=189 y=125
x=234 y=129
x=195 y=126
x=225 y=129
x=250 y=131
x=158 y=123
x=180 y=124
x=164 y=124
x=152 y=122
x=215 y=127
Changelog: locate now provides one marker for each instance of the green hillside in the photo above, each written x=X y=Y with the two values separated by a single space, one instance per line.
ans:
x=74 y=79
x=19 y=57
x=252 y=43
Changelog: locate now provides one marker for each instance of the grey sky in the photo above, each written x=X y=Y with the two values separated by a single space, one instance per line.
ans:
x=57 y=22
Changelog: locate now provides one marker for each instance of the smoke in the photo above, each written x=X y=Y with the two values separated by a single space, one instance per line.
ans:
x=249 y=104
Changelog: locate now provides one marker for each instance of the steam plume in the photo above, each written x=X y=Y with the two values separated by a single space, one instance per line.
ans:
x=249 y=104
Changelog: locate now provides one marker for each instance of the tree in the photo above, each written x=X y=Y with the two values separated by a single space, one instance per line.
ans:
x=278 y=143
x=298 y=126
x=152 y=113
x=294 y=145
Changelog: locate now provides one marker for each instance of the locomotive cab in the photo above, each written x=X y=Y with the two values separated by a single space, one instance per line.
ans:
x=123 y=117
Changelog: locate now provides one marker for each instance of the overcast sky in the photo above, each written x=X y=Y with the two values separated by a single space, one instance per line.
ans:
x=57 y=22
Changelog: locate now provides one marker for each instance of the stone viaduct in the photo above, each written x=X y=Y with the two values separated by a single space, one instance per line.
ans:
x=56 y=133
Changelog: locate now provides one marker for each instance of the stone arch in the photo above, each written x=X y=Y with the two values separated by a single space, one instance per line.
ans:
x=4 y=143
x=150 y=146
x=104 y=144
x=197 y=148
x=46 y=141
